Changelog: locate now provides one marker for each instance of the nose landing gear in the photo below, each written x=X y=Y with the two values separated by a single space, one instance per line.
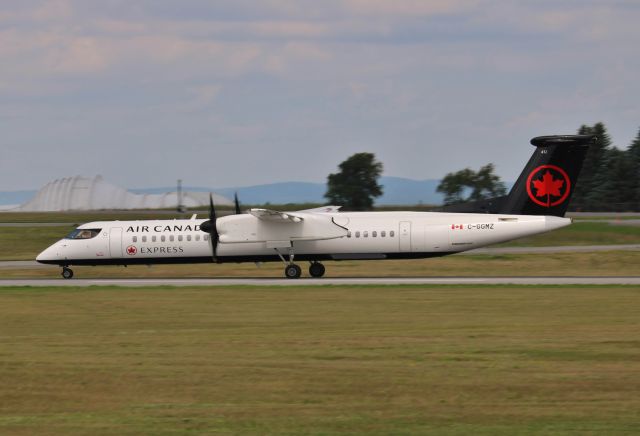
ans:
x=67 y=273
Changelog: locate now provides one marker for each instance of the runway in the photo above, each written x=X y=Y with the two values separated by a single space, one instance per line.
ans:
x=212 y=282
x=11 y=264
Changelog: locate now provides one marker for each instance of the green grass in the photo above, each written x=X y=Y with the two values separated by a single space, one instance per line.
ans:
x=328 y=360
x=24 y=243
x=612 y=217
x=84 y=217
x=77 y=217
x=580 y=233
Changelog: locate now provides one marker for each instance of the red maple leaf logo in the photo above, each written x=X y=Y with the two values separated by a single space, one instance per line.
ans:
x=131 y=250
x=548 y=186
x=553 y=183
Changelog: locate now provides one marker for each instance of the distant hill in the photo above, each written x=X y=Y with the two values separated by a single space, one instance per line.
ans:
x=397 y=190
x=16 y=197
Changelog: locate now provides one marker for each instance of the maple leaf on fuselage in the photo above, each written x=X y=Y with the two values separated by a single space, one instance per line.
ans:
x=548 y=185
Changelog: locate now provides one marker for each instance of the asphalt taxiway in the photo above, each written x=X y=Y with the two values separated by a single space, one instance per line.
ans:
x=628 y=280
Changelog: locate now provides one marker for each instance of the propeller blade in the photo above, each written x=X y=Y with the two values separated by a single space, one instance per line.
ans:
x=237 y=203
x=212 y=209
x=212 y=227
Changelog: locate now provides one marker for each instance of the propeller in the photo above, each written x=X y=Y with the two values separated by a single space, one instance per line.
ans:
x=237 y=203
x=211 y=228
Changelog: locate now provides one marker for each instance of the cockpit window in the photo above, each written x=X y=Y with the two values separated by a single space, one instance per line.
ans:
x=83 y=234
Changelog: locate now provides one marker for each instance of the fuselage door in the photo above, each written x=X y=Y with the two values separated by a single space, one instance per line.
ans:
x=115 y=241
x=405 y=235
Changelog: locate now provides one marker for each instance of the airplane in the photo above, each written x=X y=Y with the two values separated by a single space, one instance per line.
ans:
x=536 y=204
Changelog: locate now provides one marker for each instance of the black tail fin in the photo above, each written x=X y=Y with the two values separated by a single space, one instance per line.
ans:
x=547 y=182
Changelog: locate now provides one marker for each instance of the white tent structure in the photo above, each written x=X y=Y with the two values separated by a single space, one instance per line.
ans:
x=85 y=193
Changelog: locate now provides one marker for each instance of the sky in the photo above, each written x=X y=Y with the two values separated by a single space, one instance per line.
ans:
x=221 y=93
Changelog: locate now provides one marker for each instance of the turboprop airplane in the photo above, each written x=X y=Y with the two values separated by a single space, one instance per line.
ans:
x=536 y=204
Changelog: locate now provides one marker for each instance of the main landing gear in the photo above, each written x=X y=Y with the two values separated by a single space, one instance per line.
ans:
x=293 y=271
x=67 y=273
x=316 y=269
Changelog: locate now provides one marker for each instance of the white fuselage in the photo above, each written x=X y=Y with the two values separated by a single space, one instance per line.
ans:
x=318 y=236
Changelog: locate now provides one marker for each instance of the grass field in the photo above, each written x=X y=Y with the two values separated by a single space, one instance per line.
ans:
x=84 y=217
x=79 y=217
x=452 y=360
x=578 y=233
x=24 y=243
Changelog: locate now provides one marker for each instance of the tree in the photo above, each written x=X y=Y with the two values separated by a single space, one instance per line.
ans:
x=487 y=184
x=483 y=184
x=453 y=185
x=633 y=155
x=613 y=184
x=583 y=196
x=356 y=185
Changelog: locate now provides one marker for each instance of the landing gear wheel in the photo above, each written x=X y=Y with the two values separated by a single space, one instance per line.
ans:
x=292 y=271
x=67 y=273
x=316 y=269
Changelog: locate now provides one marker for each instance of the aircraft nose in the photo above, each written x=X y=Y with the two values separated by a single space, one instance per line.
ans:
x=49 y=255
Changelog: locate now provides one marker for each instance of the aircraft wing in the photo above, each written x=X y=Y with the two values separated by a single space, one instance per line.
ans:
x=323 y=209
x=274 y=215
x=279 y=229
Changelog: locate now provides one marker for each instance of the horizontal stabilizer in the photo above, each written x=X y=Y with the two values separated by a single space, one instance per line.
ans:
x=549 y=140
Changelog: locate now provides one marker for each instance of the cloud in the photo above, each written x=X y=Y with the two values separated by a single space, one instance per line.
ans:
x=202 y=96
x=78 y=56
x=405 y=78
x=408 y=8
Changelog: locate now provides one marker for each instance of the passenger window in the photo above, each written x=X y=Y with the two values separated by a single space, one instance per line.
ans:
x=179 y=237
x=134 y=239
x=197 y=237
x=374 y=234
x=163 y=238
x=188 y=237
x=383 y=234
x=153 y=238
x=391 y=234
x=144 y=239
x=358 y=234
x=365 y=234
x=171 y=238
x=349 y=234
x=206 y=237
